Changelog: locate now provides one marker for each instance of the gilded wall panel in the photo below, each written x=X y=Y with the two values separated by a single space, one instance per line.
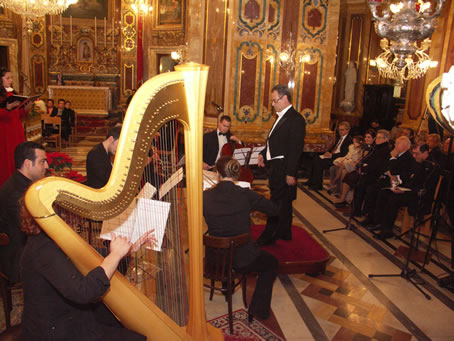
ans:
x=314 y=14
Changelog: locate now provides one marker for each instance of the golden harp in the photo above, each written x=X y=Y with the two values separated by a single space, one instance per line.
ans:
x=180 y=96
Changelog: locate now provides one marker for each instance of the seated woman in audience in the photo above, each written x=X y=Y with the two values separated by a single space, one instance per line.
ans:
x=435 y=153
x=59 y=302
x=349 y=178
x=345 y=164
x=227 y=209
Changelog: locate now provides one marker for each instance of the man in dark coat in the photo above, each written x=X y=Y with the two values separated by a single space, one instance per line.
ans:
x=215 y=140
x=325 y=161
x=99 y=165
x=31 y=165
x=281 y=154
x=425 y=176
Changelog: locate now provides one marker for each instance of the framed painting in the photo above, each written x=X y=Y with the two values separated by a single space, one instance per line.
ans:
x=88 y=9
x=169 y=13
x=85 y=50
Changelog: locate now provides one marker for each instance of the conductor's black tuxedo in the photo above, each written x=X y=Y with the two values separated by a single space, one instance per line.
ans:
x=227 y=211
x=99 y=167
x=286 y=140
x=211 y=146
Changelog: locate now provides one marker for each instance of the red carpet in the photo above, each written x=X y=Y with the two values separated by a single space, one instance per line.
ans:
x=242 y=329
x=302 y=254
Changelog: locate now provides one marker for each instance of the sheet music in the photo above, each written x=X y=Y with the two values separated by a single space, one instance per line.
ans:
x=124 y=223
x=255 y=154
x=210 y=179
x=240 y=154
x=171 y=182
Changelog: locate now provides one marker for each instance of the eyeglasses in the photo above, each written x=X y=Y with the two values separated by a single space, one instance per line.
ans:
x=276 y=100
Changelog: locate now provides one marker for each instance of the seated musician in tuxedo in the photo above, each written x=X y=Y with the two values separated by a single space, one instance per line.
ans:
x=227 y=209
x=59 y=302
x=215 y=140
x=99 y=164
x=422 y=184
x=398 y=171
x=325 y=161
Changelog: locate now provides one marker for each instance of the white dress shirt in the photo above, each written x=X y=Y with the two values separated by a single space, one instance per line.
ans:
x=279 y=116
x=222 y=140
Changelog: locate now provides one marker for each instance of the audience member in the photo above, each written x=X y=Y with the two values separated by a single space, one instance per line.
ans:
x=227 y=210
x=31 y=165
x=325 y=161
x=398 y=172
x=435 y=153
x=51 y=109
x=99 y=164
x=424 y=176
x=345 y=164
x=371 y=168
x=350 y=179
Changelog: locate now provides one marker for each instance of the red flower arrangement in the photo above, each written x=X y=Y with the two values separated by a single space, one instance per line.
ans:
x=57 y=164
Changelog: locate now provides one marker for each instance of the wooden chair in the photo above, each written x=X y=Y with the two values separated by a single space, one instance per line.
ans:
x=54 y=137
x=6 y=287
x=218 y=268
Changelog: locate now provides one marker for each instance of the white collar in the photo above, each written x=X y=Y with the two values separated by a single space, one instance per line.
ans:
x=9 y=89
x=281 y=113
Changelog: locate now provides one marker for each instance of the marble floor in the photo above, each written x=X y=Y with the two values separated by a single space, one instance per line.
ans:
x=344 y=303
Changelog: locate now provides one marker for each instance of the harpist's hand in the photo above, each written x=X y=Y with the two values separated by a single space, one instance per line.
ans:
x=260 y=161
x=10 y=106
x=119 y=246
x=148 y=239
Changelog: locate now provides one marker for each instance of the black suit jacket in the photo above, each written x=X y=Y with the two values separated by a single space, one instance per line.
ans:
x=211 y=146
x=99 y=167
x=374 y=163
x=343 y=147
x=403 y=166
x=61 y=303
x=287 y=139
x=11 y=191
x=227 y=211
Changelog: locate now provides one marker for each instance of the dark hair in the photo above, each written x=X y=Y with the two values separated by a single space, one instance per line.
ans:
x=26 y=151
x=114 y=132
x=61 y=100
x=422 y=147
x=225 y=118
x=66 y=102
x=3 y=96
x=371 y=132
x=358 y=138
x=228 y=167
x=283 y=90
x=50 y=99
x=412 y=132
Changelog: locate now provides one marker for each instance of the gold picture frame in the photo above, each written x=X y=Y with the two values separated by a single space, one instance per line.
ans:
x=168 y=14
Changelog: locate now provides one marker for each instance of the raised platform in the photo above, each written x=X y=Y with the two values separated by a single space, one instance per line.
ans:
x=302 y=254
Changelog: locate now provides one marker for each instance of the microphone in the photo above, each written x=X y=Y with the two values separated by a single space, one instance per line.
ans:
x=218 y=107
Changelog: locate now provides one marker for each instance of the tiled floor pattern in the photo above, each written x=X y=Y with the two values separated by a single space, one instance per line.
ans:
x=341 y=303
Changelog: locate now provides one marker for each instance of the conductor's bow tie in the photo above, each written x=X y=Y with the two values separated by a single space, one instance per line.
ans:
x=222 y=134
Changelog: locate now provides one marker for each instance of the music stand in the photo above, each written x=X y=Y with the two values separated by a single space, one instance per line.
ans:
x=406 y=273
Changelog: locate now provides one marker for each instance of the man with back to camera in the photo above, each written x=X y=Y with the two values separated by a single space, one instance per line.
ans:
x=215 y=140
x=99 y=165
x=282 y=152
x=31 y=165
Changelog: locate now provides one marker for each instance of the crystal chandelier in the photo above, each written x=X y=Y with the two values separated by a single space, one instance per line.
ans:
x=288 y=59
x=402 y=25
x=37 y=8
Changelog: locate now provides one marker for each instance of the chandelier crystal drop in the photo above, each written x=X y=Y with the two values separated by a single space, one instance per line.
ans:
x=405 y=27
x=37 y=8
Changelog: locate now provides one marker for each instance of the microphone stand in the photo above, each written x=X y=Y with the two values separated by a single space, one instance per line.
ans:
x=406 y=273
